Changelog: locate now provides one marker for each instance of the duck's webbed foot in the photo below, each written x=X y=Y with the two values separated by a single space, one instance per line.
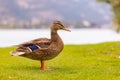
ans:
x=43 y=67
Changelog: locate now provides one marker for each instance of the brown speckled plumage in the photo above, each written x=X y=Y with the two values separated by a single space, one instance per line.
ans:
x=49 y=48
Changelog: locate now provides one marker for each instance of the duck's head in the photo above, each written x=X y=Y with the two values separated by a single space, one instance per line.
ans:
x=57 y=25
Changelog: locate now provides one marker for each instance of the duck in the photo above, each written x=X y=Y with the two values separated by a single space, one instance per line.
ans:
x=42 y=49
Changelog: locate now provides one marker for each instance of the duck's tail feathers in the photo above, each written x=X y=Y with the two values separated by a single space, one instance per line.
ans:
x=16 y=53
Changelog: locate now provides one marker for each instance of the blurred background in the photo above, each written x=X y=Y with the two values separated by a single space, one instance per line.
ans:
x=39 y=13
x=91 y=21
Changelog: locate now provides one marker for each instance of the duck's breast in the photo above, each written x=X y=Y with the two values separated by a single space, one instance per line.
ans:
x=54 y=50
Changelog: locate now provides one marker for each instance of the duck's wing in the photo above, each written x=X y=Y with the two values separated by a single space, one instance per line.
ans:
x=36 y=45
x=39 y=45
x=42 y=42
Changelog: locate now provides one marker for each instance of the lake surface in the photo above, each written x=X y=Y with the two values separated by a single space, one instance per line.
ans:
x=76 y=36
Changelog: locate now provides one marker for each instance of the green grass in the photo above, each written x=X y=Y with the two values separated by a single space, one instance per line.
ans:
x=76 y=62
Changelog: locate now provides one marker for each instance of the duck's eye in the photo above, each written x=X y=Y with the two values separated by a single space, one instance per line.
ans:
x=60 y=24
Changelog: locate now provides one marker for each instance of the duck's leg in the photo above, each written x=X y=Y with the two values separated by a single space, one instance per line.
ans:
x=43 y=67
x=42 y=64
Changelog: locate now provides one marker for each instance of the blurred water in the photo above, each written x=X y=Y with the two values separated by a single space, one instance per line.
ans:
x=77 y=36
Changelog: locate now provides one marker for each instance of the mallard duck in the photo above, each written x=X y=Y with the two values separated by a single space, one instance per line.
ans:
x=42 y=48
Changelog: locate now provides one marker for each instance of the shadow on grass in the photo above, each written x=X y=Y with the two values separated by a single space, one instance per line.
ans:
x=67 y=70
x=28 y=68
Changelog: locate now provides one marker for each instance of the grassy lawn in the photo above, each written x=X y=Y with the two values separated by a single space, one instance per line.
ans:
x=76 y=62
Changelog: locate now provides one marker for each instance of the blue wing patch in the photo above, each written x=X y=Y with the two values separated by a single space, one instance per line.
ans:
x=33 y=47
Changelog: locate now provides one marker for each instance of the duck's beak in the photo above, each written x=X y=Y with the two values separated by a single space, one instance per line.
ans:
x=66 y=29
